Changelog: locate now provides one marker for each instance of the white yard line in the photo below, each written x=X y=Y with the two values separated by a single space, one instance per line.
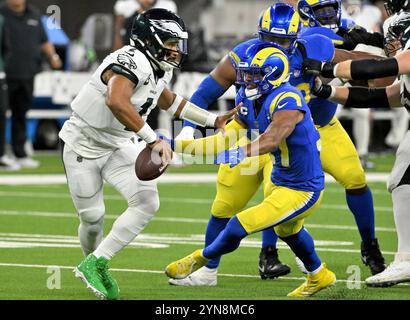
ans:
x=208 y=201
x=167 y=219
x=20 y=179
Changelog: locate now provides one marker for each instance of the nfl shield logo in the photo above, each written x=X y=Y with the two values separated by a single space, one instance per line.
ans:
x=296 y=73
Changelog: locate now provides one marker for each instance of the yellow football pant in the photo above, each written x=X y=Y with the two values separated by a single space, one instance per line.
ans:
x=284 y=209
x=236 y=186
x=339 y=156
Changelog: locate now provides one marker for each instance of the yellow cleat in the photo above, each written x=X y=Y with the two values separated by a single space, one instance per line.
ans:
x=314 y=283
x=182 y=268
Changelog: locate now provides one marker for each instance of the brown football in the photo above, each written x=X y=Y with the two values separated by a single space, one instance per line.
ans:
x=148 y=165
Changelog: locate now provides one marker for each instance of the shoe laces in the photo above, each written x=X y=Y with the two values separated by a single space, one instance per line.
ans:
x=182 y=265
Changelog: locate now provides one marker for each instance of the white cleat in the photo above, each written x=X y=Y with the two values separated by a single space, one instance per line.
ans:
x=28 y=163
x=202 y=277
x=8 y=164
x=396 y=272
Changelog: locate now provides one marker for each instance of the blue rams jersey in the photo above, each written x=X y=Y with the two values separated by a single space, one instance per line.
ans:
x=314 y=46
x=297 y=162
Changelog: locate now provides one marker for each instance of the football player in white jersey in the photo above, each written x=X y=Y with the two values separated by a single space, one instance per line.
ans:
x=395 y=95
x=107 y=130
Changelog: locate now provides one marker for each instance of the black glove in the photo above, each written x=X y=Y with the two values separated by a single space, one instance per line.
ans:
x=316 y=67
x=357 y=35
x=321 y=90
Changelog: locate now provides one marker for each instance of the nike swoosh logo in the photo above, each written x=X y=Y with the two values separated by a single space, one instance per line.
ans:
x=282 y=105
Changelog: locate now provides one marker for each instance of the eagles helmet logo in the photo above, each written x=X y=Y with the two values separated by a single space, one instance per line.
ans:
x=127 y=62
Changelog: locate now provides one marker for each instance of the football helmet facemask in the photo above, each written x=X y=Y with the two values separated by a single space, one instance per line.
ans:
x=162 y=35
x=398 y=33
x=321 y=13
x=264 y=68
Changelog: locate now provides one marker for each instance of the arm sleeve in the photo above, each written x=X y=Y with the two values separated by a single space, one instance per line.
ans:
x=213 y=144
x=362 y=97
x=208 y=92
x=373 y=68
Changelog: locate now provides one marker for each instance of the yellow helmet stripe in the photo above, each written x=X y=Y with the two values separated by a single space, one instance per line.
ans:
x=266 y=20
x=294 y=23
x=234 y=57
x=312 y=2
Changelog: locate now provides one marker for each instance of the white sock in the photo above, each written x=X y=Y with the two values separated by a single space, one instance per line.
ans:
x=311 y=273
x=401 y=198
x=125 y=229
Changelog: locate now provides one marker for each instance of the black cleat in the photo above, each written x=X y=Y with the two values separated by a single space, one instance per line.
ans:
x=372 y=256
x=270 y=266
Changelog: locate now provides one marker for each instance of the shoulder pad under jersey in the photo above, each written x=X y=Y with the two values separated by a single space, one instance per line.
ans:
x=316 y=46
x=336 y=39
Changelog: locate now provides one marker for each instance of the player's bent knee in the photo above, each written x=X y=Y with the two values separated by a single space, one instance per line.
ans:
x=91 y=215
x=145 y=201
x=222 y=209
x=288 y=229
x=354 y=179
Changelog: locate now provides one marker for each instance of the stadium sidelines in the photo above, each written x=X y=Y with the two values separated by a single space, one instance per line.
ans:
x=35 y=179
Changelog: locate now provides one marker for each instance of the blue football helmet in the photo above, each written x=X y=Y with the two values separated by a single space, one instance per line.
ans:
x=264 y=68
x=321 y=13
x=280 y=24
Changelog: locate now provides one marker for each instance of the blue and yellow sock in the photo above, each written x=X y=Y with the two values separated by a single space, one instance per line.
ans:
x=363 y=211
x=214 y=228
x=227 y=241
x=269 y=238
x=303 y=246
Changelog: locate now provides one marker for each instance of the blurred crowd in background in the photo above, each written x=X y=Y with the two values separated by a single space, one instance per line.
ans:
x=73 y=46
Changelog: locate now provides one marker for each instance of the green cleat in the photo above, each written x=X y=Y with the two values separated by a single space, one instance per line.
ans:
x=88 y=272
x=109 y=283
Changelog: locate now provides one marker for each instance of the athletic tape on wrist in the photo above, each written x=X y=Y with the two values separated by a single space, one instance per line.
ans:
x=147 y=134
x=197 y=115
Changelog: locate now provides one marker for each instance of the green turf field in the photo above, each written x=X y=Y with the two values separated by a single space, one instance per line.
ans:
x=38 y=229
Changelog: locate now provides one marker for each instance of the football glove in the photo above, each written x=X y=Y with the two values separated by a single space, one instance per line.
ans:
x=321 y=90
x=234 y=157
x=317 y=67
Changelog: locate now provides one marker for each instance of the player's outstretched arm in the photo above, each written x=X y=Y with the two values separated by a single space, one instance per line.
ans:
x=362 y=69
x=212 y=145
x=211 y=88
x=359 y=97
x=177 y=106
x=282 y=125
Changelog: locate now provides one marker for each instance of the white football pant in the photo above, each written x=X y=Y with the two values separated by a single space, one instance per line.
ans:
x=85 y=180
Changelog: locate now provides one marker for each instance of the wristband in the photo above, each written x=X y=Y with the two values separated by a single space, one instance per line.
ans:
x=174 y=106
x=147 y=134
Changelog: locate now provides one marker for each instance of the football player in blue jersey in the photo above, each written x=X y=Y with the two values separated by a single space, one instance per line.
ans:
x=280 y=24
x=276 y=110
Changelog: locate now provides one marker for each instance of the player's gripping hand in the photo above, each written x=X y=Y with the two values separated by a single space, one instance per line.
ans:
x=317 y=67
x=222 y=120
x=234 y=157
x=321 y=90
x=163 y=148
x=354 y=36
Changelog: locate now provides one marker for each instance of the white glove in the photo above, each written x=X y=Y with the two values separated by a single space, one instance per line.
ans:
x=187 y=133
